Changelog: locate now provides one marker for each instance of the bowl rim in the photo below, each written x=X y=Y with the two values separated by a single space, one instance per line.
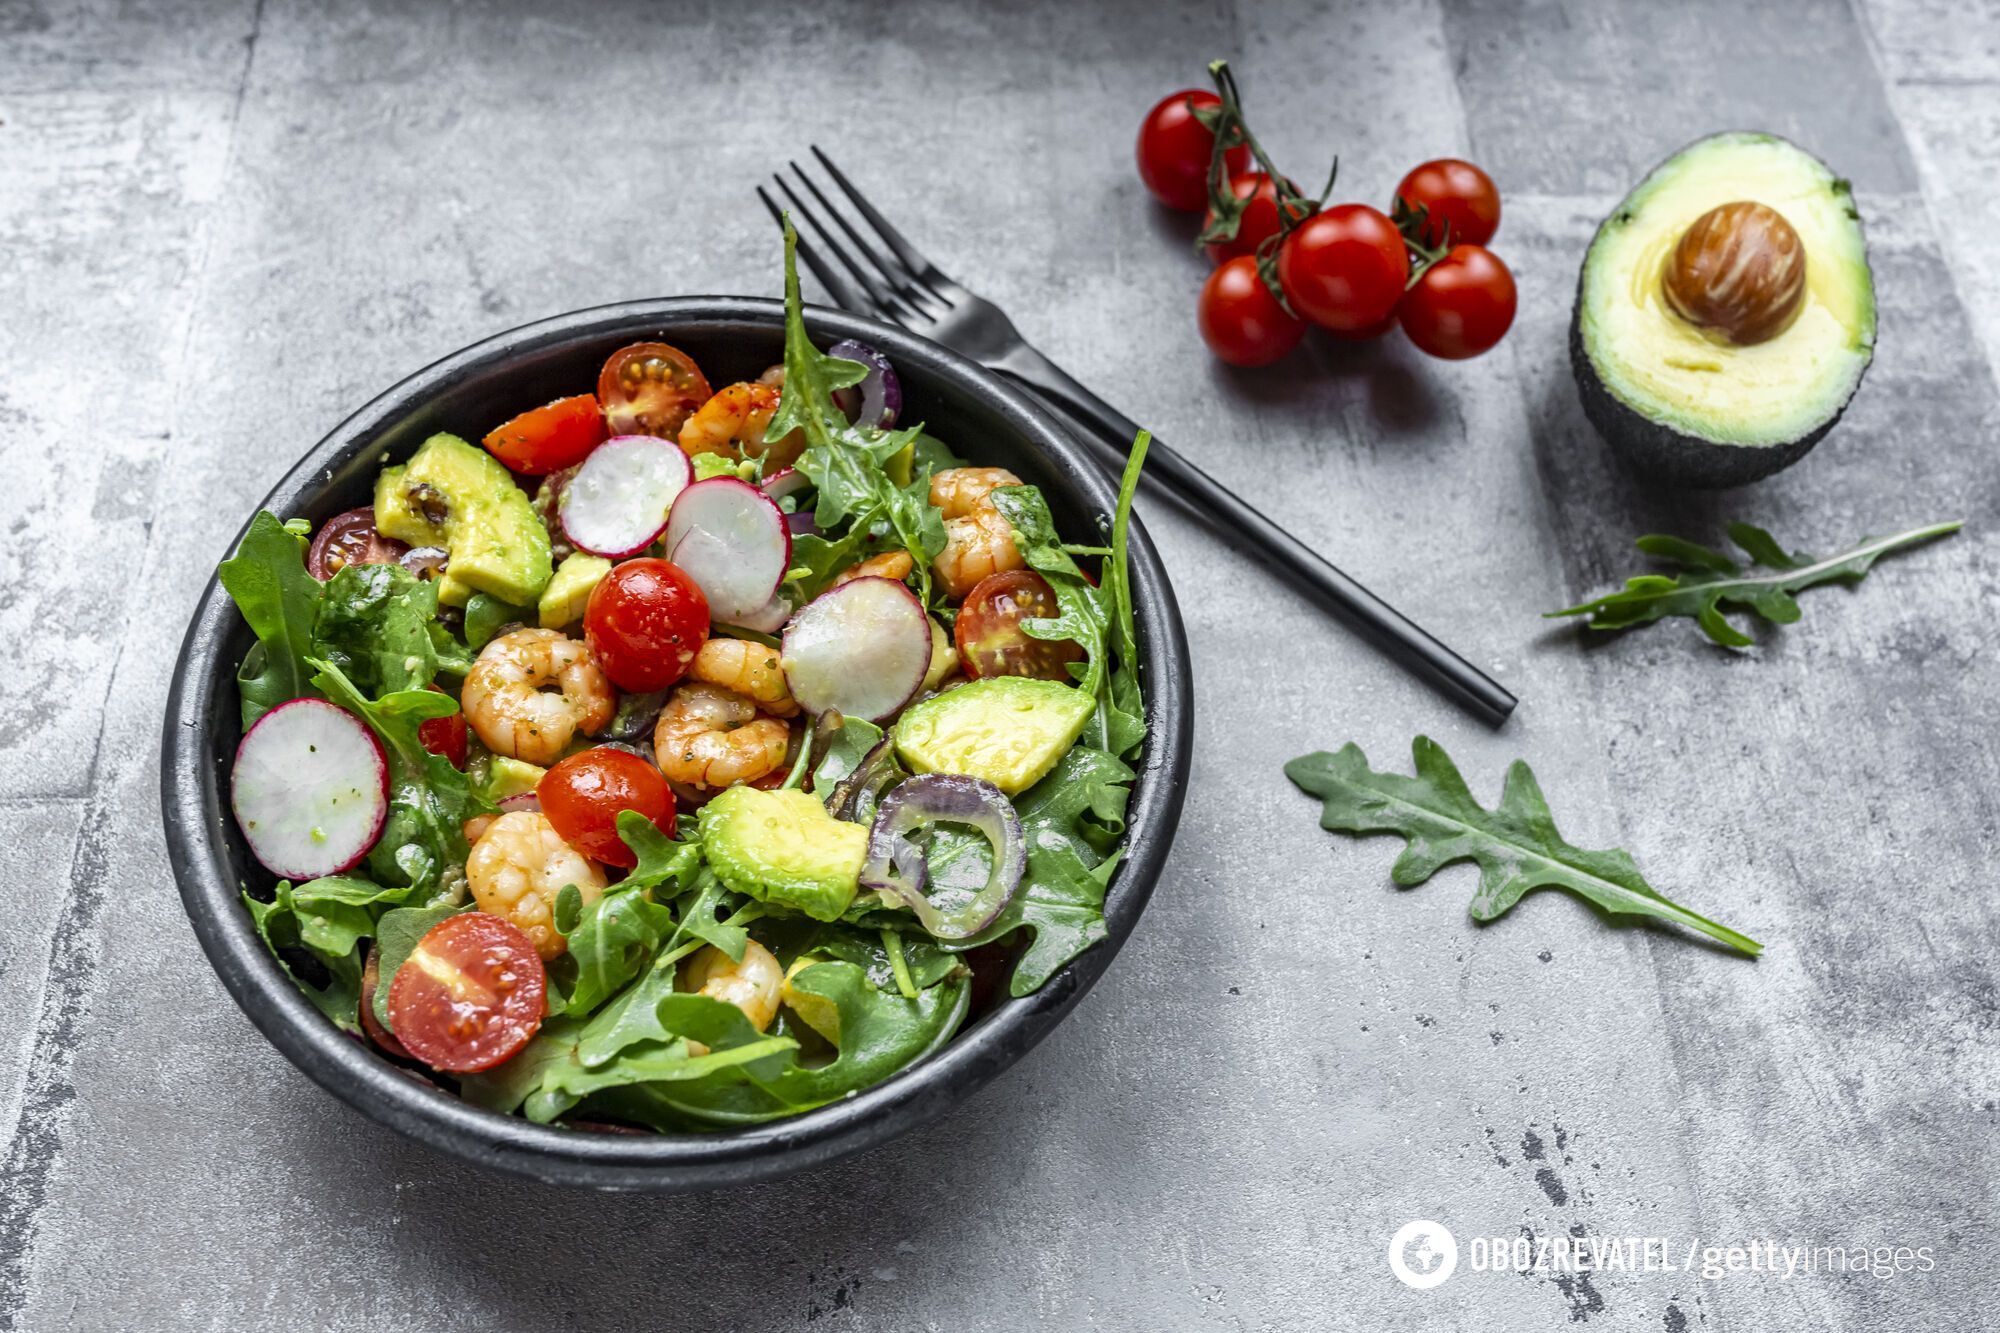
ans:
x=194 y=807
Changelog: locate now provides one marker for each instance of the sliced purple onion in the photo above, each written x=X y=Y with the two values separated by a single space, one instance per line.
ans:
x=802 y=523
x=896 y=867
x=635 y=716
x=878 y=399
x=426 y=562
x=525 y=800
x=853 y=798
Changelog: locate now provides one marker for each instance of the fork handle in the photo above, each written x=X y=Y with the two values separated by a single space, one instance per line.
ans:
x=1377 y=621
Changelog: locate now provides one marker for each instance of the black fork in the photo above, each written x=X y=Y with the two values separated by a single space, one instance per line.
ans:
x=887 y=277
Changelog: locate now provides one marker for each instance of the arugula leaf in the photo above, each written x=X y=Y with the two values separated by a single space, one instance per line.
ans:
x=846 y=463
x=324 y=920
x=613 y=939
x=850 y=745
x=1713 y=579
x=1516 y=844
x=429 y=799
x=267 y=580
x=660 y=859
x=375 y=623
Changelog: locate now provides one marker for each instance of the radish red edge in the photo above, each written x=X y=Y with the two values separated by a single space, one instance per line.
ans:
x=861 y=648
x=732 y=540
x=620 y=499
x=293 y=771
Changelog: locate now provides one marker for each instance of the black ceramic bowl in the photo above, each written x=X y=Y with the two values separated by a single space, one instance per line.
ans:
x=467 y=393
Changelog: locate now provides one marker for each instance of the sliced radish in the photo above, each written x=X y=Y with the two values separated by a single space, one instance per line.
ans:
x=770 y=617
x=785 y=481
x=310 y=789
x=730 y=538
x=861 y=648
x=616 y=504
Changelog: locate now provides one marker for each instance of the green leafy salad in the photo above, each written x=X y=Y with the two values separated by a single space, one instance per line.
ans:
x=684 y=757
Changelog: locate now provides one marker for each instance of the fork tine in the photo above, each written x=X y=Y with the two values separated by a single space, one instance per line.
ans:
x=845 y=294
x=923 y=268
x=905 y=283
x=881 y=296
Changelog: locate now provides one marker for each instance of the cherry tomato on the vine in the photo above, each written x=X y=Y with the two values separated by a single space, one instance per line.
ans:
x=1241 y=321
x=1344 y=268
x=550 y=438
x=1259 y=221
x=1459 y=197
x=645 y=621
x=584 y=794
x=650 y=389
x=470 y=995
x=1461 y=306
x=1174 y=149
x=988 y=630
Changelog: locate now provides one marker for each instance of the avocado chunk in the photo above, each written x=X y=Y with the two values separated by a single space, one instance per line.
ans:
x=569 y=591
x=460 y=497
x=1008 y=730
x=1700 y=354
x=783 y=847
x=509 y=777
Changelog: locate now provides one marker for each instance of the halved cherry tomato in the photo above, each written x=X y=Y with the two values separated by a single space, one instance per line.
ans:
x=371 y=973
x=1260 y=219
x=988 y=631
x=1344 y=268
x=1461 y=306
x=650 y=389
x=444 y=736
x=1174 y=149
x=549 y=439
x=1455 y=195
x=645 y=621
x=1241 y=321
x=470 y=994
x=584 y=794
x=350 y=539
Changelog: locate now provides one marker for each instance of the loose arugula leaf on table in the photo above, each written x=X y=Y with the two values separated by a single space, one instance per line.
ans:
x=429 y=799
x=1515 y=845
x=268 y=581
x=847 y=463
x=1713 y=579
x=376 y=623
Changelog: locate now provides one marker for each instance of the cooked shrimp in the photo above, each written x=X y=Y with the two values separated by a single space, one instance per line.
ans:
x=749 y=669
x=475 y=828
x=732 y=423
x=517 y=868
x=532 y=691
x=773 y=376
x=752 y=985
x=979 y=544
x=711 y=737
x=888 y=565
x=960 y=490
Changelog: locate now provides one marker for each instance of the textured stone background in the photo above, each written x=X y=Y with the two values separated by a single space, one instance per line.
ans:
x=225 y=225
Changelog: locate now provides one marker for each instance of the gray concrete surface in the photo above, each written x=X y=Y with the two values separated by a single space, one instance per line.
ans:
x=224 y=225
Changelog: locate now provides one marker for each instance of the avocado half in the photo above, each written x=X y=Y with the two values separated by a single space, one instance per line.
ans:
x=1680 y=403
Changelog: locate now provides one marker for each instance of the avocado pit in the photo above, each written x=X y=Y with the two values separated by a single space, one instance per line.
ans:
x=1738 y=272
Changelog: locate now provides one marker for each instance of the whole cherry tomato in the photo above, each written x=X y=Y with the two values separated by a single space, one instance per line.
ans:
x=645 y=621
x=1459 y=197
x=584 y=794
x=470 y=994
x=350 y=539
x=1174 y=149
x=1344 y=268
x=1259 y=220
x=988 y=630
x=549 y=439
x=1461 y=306
x=650 y=389
x=1241 y=321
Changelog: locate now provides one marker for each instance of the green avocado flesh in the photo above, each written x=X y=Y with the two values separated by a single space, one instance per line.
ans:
x=1679 y=400
x=1008 y=730
x=783 y=847
x=458 y=496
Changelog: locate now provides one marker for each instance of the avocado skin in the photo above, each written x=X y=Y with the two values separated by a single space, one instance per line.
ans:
x=1657 y=450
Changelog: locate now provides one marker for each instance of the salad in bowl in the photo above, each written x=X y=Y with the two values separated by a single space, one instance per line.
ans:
x=682 y=757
